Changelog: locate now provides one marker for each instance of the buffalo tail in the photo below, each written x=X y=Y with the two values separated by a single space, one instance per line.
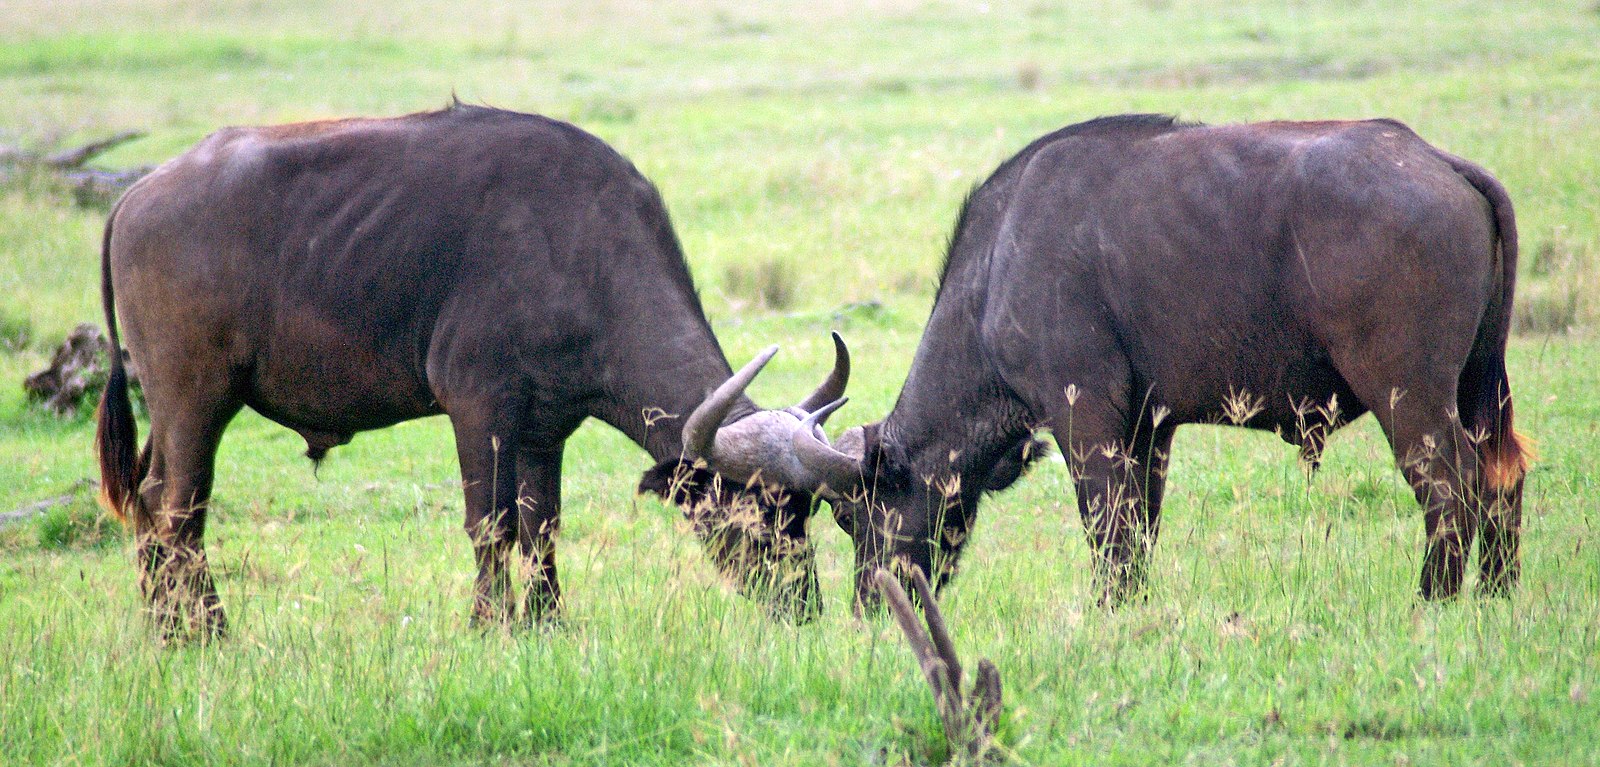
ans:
x=117 y=433
x=1485 y=394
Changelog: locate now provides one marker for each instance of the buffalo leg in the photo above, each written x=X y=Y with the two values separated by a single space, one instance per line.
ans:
x=1498 y=559
x=488 y=478
x=1444 y=476
x=1112 y=480
x=1441 y=463
x=170 y=523
x=1107 y=502
x=1152 y=451
x=538 y=520
x=1500 y=495
x=1500 y=537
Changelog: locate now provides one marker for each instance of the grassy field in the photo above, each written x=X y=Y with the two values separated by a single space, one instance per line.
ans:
x=813 y=156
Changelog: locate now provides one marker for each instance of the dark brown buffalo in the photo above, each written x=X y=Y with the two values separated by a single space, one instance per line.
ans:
x=509 y=271
x=1123 y=276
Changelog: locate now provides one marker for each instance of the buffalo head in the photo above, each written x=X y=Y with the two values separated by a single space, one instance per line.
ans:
x=899 y=517
x=745 y=493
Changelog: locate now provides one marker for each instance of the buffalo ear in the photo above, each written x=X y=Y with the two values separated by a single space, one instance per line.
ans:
x=882 y=461
x=1015 y=462
x=674 y=481
x=871 y=448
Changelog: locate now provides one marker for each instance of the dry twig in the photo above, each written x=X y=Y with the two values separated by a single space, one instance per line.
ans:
x=969 y=719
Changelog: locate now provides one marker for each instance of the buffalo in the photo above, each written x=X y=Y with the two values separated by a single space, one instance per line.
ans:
x=1123 y=276
x=509 y=271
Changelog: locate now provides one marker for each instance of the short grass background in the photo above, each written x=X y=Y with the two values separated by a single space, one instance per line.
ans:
x=813 y=156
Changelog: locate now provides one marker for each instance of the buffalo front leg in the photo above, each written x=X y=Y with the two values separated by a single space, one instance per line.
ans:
x=1112 y=475
x=488 y=479
x=538 y=521
x=1147 y=478
x=1109 y=504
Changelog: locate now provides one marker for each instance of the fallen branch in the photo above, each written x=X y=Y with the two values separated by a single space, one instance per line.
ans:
x=91 y=187
x=34 y=509
x=969 y=719
x=75 y=158
x=31 y=510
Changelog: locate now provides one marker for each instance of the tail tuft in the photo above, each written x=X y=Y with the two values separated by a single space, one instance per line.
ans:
x=116 y=442
x=1506 y=462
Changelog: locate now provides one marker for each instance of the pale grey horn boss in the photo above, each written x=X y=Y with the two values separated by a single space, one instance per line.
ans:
x=763 y=444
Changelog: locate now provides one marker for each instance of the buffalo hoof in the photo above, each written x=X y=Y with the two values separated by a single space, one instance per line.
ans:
x=550 y=622
x=1439 y=587
x=1497 y=587
x=487 y=621
x=868 y=605
x=1112 y=600
x=797 y=611
x=1122 y=590
x=1438 y=595
x=544 y=616
x=183 y=624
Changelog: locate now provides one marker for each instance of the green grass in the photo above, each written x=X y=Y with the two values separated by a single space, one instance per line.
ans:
x=828 y=145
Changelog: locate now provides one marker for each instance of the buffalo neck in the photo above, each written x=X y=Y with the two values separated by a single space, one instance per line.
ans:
x=657 y=374
x=955 y=416
x=956 y=413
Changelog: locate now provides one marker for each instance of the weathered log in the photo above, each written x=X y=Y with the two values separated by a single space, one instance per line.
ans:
x=76 y=157
x=93 y=188
x=34 y=509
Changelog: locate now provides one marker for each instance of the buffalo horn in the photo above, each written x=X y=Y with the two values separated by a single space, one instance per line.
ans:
x=833 y=388
x=700 y=429
x=838 y=471
x=814 y=419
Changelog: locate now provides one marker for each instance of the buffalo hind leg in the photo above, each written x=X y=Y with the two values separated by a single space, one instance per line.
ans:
x=1443 y=472
x=170 y=524
x=538 y=521
x=1498 y=557
x=1502 y=467
x=488 y=479
x=1440 y=462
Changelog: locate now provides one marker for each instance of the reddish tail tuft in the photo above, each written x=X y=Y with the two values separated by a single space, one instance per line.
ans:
x=1505 y=461
x=116 y=442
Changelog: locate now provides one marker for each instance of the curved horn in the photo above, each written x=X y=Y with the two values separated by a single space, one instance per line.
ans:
x=815 y=418
x=700 y=428
x=838 y=471
x=833 y=388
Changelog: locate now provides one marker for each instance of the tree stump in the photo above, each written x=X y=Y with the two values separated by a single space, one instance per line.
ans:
x=78 y=369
